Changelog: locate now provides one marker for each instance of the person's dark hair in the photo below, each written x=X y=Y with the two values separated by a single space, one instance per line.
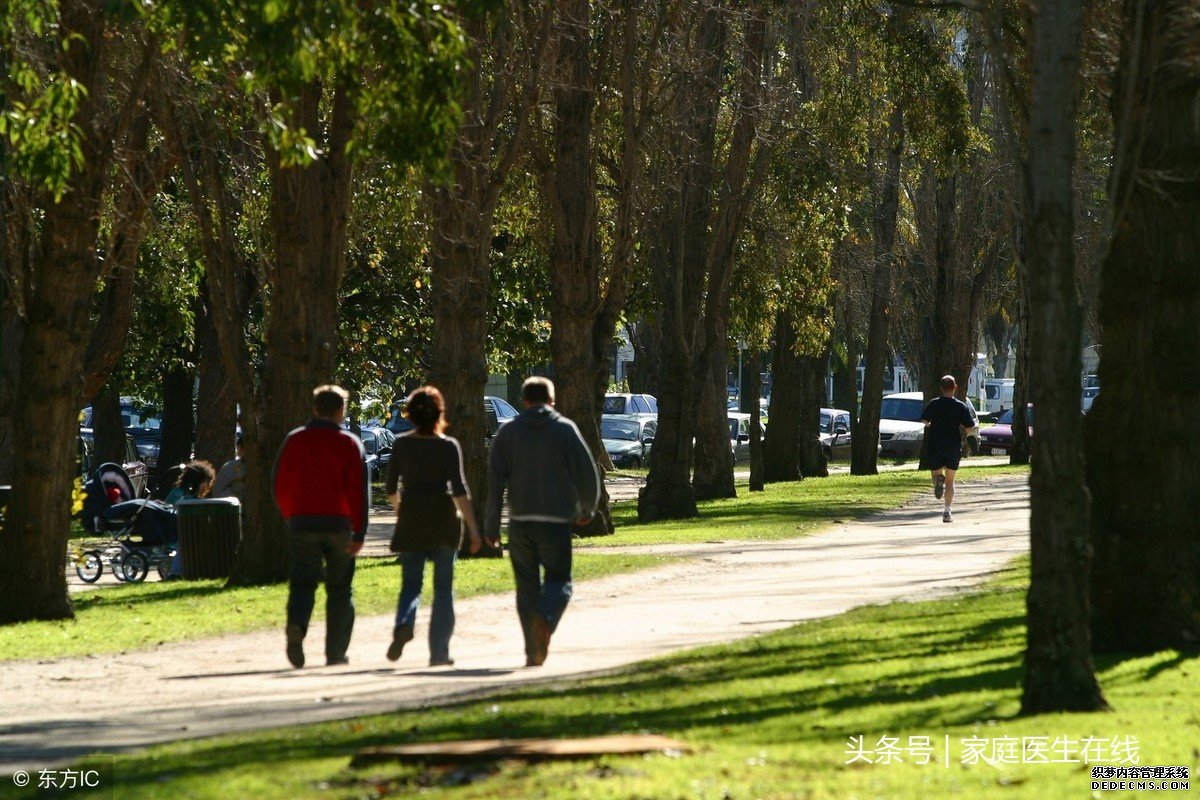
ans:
x=948 y=383
x=197 y=478
x=538 y=391
x=239 y=439
x=426 y=410
x=329 y=400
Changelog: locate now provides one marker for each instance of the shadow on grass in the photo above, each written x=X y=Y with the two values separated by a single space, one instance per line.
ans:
x=901 y=667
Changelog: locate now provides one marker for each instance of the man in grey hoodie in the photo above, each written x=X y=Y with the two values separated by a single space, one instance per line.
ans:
x=552 y=482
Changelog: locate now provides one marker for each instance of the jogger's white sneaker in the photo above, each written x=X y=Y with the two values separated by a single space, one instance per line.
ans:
x=947 y=516
x=939 y=486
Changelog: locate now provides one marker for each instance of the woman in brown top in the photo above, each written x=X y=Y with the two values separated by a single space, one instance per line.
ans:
x=427 y=465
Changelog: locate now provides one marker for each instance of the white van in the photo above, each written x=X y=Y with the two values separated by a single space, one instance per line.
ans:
x=998 y=394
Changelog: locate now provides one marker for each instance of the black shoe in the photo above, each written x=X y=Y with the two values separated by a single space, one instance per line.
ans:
x=939 y=486
x=441 y=662
x=337 y=662
x=295 y=646
x=400 y=637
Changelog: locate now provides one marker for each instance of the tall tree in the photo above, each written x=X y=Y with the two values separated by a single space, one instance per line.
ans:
x=505 y=50
x=1145 y=582
x=863 y=450
x=306 y=66
x=692 y=253
x=1059 y=674
x=607 y=82
x=80 y=46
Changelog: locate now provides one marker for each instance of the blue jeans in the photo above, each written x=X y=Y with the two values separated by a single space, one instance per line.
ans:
x=412 y=572
x=534 y=547
x=309 y=550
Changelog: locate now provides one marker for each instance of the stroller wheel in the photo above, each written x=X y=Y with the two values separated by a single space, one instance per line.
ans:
x=136 y=566
x=117 y=564
x=89 y=566
x=164 y=568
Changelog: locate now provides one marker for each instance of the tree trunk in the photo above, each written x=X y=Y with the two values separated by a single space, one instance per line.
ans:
x=461 y=282
x=713 y=473
x=462 y=233
x=863 y=444
x=679 y=257
x=108 y=427
x=781 y=452
x=178 y=423
x=1021 y=445
x=1059 y=675
x=310 y=207
x=713 y=477
x=216 y=404
x=751 y=397
x=646 y=338
x=1145 y=585
x=574 y=253
x=813 y=463
x=46 y=416
x=849 y=376
x=12 y=333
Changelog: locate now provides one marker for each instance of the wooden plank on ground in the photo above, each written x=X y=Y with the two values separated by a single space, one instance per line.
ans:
x=531 y=749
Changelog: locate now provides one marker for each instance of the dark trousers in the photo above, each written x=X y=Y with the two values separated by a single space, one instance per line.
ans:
x=536 y=548
x=312 y=553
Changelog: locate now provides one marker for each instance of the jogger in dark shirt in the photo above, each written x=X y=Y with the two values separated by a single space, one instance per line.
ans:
x=944 y=417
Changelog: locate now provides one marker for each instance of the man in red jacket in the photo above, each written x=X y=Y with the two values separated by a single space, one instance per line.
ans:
x=321 y=490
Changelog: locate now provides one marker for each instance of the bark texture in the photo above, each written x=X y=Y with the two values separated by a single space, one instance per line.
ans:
x=1145 y=586
x=863 y=452
x=1059 y=675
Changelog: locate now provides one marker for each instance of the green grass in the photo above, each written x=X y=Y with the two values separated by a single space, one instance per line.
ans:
x=785 y=510
x=767 y=717
x=135 y=616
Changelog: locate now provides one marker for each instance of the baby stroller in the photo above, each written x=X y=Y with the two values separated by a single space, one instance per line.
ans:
x=143 y=531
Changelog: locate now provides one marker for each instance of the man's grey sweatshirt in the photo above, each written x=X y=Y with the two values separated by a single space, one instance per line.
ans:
x=544 y=464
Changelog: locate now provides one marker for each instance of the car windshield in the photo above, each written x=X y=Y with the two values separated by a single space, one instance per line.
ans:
x=905 y=409
x=826 y=423
x=368 y=440
x=614 y=405
x=1007 y=417
x=618 y=429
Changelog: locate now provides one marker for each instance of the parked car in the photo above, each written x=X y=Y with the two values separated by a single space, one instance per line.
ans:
x=142 y=422
x=630 y=405
x=627 y=441
x=739 y=436
x=900 y=428
x=138 y=471
x=377 y=442
x=997 y=439
x=735 y=405
x=835 y=433
x=999 y=394
x=496 y=412
x=1089 y=397
x=499 y=411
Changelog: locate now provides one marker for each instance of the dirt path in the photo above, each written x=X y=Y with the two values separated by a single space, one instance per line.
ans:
x=59 y=709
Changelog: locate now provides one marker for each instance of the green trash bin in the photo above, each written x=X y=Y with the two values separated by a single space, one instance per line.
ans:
x=210 y=531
